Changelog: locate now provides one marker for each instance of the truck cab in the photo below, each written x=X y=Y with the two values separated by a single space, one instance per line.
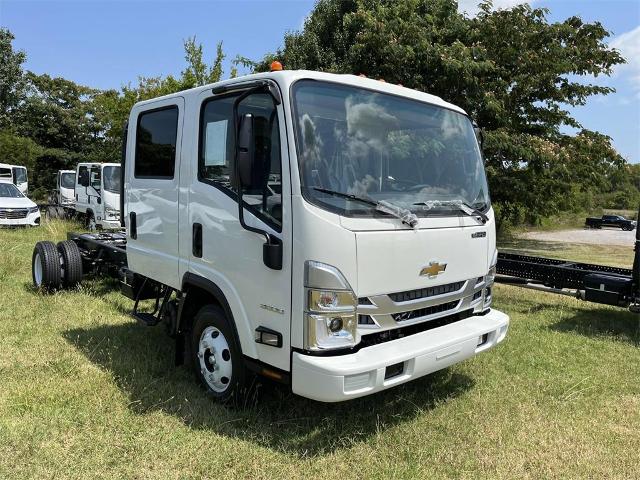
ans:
x=65 y=188
x=331 y=231
x=17 y=175
x=97 y=194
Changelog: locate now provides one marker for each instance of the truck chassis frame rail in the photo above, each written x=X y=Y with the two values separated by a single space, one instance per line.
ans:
x=593 y=283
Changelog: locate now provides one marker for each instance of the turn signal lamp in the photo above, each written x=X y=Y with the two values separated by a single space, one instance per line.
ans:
x=276 y=66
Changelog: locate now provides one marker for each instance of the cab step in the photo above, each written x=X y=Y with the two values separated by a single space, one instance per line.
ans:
x=145 y=318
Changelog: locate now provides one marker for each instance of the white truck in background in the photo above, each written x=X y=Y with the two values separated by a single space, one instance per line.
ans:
x=331 y=232
x=17 y=175
x=97 y=195
x=62 y=200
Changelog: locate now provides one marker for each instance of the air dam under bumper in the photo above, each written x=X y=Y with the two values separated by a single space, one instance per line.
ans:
x=342 y=377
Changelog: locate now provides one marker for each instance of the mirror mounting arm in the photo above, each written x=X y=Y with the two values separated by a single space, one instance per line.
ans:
x=272 y=247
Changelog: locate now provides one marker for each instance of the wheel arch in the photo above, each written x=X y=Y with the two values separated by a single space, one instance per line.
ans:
x=197 y=292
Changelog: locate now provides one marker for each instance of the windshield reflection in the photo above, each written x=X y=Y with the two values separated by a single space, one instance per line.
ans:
x=385 y=148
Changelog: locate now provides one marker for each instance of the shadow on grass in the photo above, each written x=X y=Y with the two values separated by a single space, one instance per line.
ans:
x=602 y=322
x=140 y=360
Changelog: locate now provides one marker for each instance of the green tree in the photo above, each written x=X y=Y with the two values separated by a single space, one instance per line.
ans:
x=12 y=81
x=56 y=113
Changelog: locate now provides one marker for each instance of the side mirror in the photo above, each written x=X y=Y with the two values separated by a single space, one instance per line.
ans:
x=479 y=135
x=250 y=170
x=250 y=175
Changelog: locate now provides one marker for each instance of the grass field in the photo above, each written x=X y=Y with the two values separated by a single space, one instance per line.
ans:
x=87 y=393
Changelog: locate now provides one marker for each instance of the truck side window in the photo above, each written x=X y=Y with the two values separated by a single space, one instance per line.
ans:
x=156 y=143
x=217 y=151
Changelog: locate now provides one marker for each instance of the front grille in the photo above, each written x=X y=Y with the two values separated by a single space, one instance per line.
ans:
x=365 y=320
x=425 y=292
x=423 y=312
x=13 y=213
x=389 y=335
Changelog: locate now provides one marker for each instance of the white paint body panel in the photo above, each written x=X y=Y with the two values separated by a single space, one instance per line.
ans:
x=155 y=251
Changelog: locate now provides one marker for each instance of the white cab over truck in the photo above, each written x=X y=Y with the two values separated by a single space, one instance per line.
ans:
x=65 y=188
x=97 y=194
x=62 y=200
x=328 y=231
x=15 y=174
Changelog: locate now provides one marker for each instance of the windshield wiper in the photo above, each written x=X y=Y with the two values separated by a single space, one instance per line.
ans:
x=383 y=206
x=460 y=205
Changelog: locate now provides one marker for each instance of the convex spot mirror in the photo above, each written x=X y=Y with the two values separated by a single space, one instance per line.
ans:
x=479 y=134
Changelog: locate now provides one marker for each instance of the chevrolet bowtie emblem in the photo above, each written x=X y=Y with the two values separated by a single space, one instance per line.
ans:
x=433 y=270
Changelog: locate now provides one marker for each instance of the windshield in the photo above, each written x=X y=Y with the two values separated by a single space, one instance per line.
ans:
x=68 y=180
x=112 y=179
x=384 y=147
x=9 y=190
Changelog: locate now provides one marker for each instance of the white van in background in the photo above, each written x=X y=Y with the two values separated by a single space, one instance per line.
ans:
x=17 y=175
x=97 y=194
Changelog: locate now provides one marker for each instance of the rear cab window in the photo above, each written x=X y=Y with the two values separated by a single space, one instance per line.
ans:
x=155 y=150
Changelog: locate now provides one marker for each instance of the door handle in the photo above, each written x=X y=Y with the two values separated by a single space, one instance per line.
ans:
x=133 y=228
x=196 y=247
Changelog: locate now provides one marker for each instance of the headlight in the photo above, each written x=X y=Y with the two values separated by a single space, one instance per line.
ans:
x=34 y=209
x=330 y=313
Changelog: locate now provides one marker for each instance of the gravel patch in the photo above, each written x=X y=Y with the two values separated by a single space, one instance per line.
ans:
x=604 y=236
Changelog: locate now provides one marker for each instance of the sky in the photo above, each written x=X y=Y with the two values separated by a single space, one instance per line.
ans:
x=107 y=44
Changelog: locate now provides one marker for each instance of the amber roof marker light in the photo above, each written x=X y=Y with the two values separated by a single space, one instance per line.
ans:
x=276 y=66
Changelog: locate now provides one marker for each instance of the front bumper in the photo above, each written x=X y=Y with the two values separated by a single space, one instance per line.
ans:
x=342 y=377
x=31 y=220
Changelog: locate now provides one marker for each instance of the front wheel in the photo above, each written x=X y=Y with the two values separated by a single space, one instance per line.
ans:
x=217 y=357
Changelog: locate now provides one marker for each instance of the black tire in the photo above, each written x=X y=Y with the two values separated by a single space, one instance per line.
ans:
x=52 y=213
x=236 y=389
x=45 y=266
x=71 y=263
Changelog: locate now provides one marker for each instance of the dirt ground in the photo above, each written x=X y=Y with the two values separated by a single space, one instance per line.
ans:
x=606 y=236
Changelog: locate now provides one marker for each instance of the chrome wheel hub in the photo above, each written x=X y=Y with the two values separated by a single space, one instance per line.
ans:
x=37 y=269
x=214 y=358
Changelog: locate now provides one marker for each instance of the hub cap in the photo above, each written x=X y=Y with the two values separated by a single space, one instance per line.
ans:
x=37 y=269
x=214 y=358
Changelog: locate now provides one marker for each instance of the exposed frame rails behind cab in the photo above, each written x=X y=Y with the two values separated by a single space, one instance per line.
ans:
x=594 y=283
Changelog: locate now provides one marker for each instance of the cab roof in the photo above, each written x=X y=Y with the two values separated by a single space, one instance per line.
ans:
x=285 y=78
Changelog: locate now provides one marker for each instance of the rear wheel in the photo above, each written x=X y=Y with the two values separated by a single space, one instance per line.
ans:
x=71 y=263
x=45 y=266
x=217 y=357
